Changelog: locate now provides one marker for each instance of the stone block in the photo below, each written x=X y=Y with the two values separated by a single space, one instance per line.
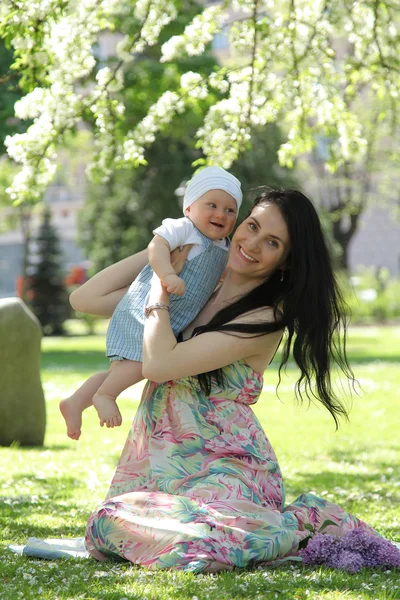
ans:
x=22 y=404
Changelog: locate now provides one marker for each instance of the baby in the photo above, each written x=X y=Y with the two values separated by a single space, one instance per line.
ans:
x=211 y=203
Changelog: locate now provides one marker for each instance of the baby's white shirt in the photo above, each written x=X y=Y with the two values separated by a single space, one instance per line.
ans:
x=179 y=232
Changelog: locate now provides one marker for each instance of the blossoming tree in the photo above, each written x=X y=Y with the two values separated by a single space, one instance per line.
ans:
x=284 y=69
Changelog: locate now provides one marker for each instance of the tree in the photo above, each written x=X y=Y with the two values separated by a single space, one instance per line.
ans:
x=47 y=291
x=344 y=195
x=9 y=94
x=119 y=216
x=284 y=69
x=259 y=165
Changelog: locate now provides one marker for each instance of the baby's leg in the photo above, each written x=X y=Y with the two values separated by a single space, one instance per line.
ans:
x=71 y=408
x=123 y=374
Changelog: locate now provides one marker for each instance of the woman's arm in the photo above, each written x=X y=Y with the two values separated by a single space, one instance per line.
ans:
x=164 y=359
x=101 y=294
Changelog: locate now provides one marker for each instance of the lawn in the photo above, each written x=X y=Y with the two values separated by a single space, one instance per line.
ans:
x=50 y=491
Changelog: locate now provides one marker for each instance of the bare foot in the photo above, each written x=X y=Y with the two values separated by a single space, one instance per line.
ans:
x=107 y=410
x=72 y=413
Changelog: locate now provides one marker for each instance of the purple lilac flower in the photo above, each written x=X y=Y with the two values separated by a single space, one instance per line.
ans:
x=347 y=561
x=382 y=552
x=356 y=549
x=358 y=540
x=319 y=549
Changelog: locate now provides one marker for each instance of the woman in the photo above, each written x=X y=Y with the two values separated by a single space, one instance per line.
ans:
x=198 y=486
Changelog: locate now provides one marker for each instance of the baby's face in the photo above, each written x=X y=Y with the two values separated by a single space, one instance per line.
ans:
x=214 y=214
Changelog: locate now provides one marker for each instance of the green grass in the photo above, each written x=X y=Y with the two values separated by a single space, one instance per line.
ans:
x=50 y=491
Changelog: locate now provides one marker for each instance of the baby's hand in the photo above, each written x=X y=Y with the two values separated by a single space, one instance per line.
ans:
x=174 y=284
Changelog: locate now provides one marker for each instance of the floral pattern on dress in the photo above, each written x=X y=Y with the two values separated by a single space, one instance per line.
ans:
x=198 y=486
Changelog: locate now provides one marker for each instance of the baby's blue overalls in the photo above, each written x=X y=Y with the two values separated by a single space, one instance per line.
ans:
x=201 y=275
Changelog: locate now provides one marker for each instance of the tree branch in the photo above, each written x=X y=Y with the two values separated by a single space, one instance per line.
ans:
x=253 y=58
x=295 y=59
x=86 y=106
x=382 y=58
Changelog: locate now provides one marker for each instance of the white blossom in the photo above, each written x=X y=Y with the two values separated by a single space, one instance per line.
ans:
x=29 y=106
x=287 y=71
x=194 y=85
x=154 y=14
x=159 y=115
x=196 y=36
x=218 y=81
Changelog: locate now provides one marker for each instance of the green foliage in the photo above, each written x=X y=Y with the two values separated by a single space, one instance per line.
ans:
x=90 y=322
x=9 y=218
x=9 y=94
x=303 y=64
x=47 y=291
x=259 y=166
x=372 y=296
x=119 y=216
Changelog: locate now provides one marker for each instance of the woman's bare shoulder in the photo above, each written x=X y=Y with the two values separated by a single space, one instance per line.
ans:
x=263 y=314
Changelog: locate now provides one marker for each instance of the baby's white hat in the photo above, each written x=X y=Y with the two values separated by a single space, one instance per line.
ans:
x=212 y=178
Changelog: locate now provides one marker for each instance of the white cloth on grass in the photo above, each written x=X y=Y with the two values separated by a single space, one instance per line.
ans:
x=52 y=548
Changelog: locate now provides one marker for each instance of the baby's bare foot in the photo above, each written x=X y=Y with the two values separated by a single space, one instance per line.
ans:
x=107 y=410
x=72 y=413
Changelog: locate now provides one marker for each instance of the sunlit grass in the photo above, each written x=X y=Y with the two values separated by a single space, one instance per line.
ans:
x=50 y=491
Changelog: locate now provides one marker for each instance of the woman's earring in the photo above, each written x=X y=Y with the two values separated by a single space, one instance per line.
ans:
x=282 y=276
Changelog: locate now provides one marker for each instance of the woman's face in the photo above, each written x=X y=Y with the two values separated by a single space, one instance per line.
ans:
x=261 y=243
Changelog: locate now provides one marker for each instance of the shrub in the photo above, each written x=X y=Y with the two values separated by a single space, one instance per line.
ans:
x=372 y=295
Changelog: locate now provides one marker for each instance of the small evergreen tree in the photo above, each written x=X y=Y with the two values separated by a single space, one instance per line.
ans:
x=49 y=299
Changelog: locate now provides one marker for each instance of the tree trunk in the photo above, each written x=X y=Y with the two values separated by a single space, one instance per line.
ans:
x=343 y=234
x=349 y=206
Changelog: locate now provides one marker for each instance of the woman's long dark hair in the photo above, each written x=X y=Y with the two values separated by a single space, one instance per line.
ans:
x=307 y=303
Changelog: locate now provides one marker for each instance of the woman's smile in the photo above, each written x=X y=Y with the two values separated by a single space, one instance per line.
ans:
x=246 y=257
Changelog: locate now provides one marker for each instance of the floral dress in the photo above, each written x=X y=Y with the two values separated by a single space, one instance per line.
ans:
x=198 y=486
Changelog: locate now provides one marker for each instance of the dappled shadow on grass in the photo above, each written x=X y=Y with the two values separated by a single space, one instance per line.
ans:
x=357 y=493
x=51 y=516
x=114 y=581
x=42 y=500
x=283 y=582
x=53 y=487
x=360 y=486
x=350 y=484
x=364 y=453
x=20 y=529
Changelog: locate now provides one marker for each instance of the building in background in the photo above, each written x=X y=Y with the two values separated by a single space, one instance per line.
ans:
x=64 y=197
